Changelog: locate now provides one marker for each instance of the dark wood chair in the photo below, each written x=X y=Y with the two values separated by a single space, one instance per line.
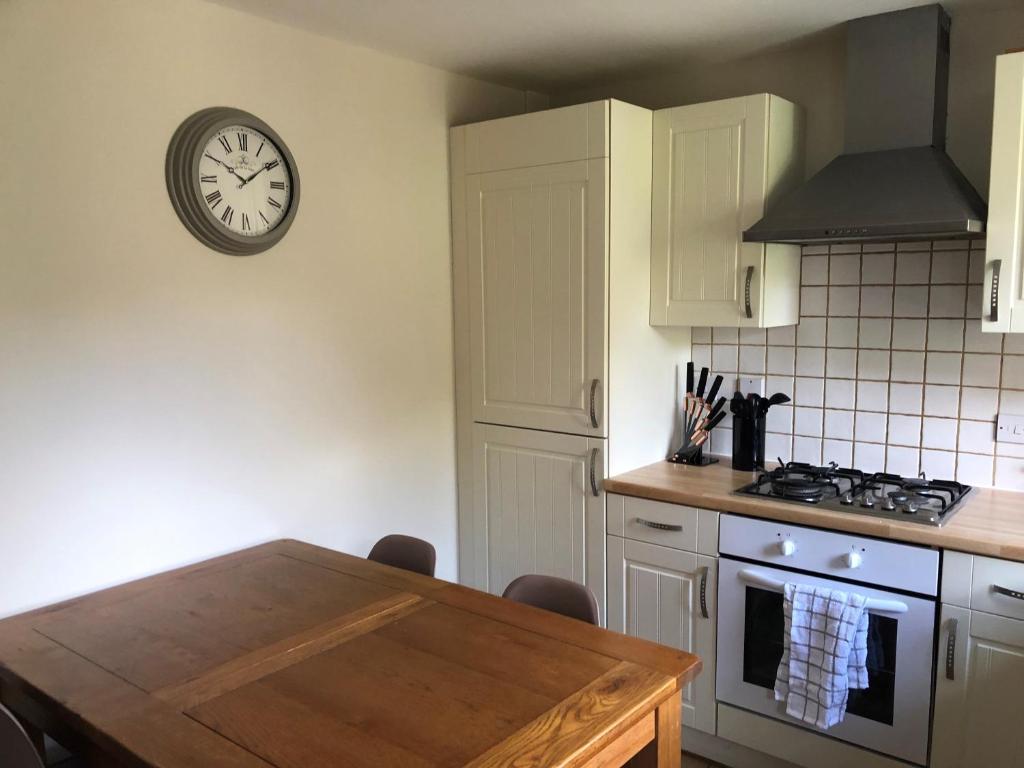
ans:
x=16 y=748
x=554 y=594
x=405 y=552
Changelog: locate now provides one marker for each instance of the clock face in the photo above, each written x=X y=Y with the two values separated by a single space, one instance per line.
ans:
x=245 y=181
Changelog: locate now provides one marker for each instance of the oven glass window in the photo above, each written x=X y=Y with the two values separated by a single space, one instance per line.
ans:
x=763 y=631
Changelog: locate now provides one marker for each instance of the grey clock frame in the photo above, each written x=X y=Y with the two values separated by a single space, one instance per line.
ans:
x=182 y=173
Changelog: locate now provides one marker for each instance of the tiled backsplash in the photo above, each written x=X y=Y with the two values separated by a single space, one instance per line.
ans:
x=888 y=368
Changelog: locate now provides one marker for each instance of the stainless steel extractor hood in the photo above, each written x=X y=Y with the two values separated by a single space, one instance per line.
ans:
x=894 y=180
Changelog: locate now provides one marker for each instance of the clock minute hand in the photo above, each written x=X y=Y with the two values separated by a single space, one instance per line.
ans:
x=229 y=168
x=265 y=167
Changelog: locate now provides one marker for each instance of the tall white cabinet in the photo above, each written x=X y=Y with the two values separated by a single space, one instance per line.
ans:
x=1003 y=298
x=560 y=379
x=717 y=167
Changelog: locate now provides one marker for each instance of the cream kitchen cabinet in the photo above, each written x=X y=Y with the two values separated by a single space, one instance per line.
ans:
x=664 y=594
x=1003 y=298
x=980 y=664
x=717 y=167
x=554 y=354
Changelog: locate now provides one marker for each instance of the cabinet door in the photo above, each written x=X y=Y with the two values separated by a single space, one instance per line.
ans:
x=1003 y=297
x=536 y=246
x=540 y=499
x=709 y=171
x=977 y=696
x=655 y=593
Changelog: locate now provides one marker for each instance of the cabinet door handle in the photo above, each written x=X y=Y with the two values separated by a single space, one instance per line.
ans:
x=704 y=592
x=746 y=292
x=951 y=650
x=1008 y=592
x=993 y=296
x=593 y=472
x=593 y=405
x=659 y=526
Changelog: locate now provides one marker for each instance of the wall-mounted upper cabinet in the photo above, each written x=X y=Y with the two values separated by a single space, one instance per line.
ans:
x=717 y=167
x=1003 y=300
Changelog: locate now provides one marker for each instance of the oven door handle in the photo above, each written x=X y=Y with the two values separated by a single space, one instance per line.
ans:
x=752 y=577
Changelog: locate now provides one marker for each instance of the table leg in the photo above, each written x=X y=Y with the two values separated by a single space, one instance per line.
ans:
x=667 y=748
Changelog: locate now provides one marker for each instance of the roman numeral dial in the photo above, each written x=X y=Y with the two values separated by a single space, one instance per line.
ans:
x=245 y=181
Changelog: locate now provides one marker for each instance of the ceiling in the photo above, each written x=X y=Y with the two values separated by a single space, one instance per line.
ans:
x=547 y=45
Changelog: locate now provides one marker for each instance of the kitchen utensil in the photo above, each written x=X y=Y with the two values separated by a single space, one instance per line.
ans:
x=713 y=392
x=689 y=378
x=702 y=382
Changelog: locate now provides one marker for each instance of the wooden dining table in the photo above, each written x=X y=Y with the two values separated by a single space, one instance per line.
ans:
x=289 y=655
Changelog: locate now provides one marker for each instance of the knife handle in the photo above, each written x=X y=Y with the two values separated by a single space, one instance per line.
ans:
x=689 y=378
x=702 y=382
x=714 y=422
x=717 y=409
x=714 y=389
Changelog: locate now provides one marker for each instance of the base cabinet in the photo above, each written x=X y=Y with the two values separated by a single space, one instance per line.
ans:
x=668 y=596
x=978 y=688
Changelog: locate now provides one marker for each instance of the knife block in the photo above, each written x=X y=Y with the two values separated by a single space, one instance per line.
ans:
x=748 y=442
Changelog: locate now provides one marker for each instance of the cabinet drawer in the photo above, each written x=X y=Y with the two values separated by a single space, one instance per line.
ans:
x=990 y=574
x=656 y=522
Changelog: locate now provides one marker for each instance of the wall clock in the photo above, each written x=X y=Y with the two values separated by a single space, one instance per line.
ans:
x=232 y=181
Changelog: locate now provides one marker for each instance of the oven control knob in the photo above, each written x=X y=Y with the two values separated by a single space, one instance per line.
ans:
x=854 y=559
x=787 y=547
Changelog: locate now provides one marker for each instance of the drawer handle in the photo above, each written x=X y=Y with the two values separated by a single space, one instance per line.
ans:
x=593 y=473
x=993 y=296
x=951 y=650
x=704 y=592
x=746 y=292
x=593 y=406
x=659 y=526
x=1008 y=592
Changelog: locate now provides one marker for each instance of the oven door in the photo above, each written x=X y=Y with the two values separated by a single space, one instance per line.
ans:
x=890 y=716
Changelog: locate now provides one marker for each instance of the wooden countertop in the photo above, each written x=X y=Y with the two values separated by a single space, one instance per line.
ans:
x=989 y=521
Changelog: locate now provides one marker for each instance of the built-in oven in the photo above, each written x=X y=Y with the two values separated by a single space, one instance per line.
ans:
x=758 y=557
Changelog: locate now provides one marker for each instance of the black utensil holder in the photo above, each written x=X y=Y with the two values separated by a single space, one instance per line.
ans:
x=748 y=442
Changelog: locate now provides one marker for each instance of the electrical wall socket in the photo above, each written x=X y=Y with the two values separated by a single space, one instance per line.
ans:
x=1009 y=428
x=748 y=384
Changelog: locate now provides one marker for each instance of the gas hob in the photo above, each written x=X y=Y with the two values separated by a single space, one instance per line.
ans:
x=912 y=499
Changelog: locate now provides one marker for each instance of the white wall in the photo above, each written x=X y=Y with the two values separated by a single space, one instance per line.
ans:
x=160 y=402
x=813 y=74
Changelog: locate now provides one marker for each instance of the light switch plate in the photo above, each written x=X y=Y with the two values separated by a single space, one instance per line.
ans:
x=1009 y=428
x=755 y=384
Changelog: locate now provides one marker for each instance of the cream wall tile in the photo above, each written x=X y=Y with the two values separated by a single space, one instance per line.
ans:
x=912 y=268
x=784 y=335
x=783 y=384
x=1011 y=401
x=779 y=419
x=949 y=267
x=752 y=359
x=700 y=335
x=839 y=451
x=907 y=366
x=809 y=391
x=721 y=441
x=943 y=368
x=947 y=301
x=976 y=341
x=976 y=437
x=814 y=270
x=778 y=446
x=756 y=336
x=946 y=335
x=838 y=425
x=1010 y=473
x=807 y=421
x=938 y=465
x=904 y=430
x=938 y=433
x=807 y=449
x=811 y=332
x=902 y=461
x=983 y=370
x=842 y=332
x=781 y=360
x=1013 y=344
x=974 y=469
x=700 y=355
x=941 y=401
x=873 y=364
x=875 y=333
x=877 y=268
x=976 y=269
x=978 y=403
x=974 y=303
x=870 y=427
x=813 y=301
x=876 y=301
x=905 y=398
x=841 y=393
x=844 y=248
x=724 y=358
x=869 y=457
x=725 y=335
x=843 y=301
x=915 y=245
x=810 y=361
x=878 y=247
x=910 y=301
x=844 y=269
x=872 y=396
x=909 y=334
x=1013 y=371
x=841 y=363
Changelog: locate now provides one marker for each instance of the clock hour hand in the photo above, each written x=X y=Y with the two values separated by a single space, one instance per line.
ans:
x=266 y=167
x=228 y=167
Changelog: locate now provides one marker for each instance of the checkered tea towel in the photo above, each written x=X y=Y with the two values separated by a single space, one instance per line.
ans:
x=824 y=653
